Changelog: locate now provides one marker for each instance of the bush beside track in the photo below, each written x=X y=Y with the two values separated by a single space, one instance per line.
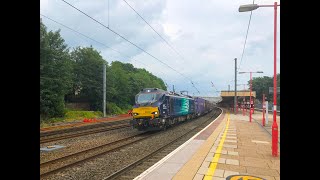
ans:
x=71 y=116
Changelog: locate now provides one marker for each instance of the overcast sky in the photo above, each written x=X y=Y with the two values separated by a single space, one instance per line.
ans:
x=206 y=37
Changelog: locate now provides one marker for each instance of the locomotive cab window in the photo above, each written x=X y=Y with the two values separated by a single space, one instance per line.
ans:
x=147 y=98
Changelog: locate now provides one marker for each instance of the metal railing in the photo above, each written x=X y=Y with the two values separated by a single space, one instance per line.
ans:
x=270 y=107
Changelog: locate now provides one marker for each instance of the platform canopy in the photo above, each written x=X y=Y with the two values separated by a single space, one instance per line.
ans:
x=239 y=93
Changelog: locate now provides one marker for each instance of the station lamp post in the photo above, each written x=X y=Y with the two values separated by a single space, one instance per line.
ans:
x=250 y=117
x=251 y=7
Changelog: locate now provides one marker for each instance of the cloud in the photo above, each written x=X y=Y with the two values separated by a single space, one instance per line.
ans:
x=208 y=35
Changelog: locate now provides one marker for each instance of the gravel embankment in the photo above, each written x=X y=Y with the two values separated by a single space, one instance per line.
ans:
x=105 y=165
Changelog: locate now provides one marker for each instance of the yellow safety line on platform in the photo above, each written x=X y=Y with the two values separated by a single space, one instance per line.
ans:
x=214 y=161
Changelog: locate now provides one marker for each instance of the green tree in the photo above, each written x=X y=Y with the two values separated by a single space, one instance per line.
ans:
x=55 y=73
x=261 y=86
x=78 y=75
x=125 y=81
x=121 y=85
x=88 y=75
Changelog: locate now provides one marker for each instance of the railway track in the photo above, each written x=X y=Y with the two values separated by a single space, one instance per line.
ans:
x=51 y=139
x=134 y=169
x=82 y=156
x=82 y=128
x=63 y=135
x=57 y=165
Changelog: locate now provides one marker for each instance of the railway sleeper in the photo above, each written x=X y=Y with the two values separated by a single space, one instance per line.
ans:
x=137 y=170
x=126 y=177
x=147 y=164
x=166 y=151
x=155 y=158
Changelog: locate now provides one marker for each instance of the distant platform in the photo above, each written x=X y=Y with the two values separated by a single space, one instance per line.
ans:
x=211 y=99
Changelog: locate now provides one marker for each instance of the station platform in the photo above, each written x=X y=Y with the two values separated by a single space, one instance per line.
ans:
x=229 y=146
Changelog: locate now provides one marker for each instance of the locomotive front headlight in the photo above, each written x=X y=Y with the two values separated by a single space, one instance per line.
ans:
x=156 y=112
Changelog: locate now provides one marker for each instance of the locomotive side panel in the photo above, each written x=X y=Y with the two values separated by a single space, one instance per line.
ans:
x=180 y=106
x=200 y=106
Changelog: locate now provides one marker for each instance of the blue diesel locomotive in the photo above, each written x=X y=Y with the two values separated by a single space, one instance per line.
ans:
x=156 y=109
